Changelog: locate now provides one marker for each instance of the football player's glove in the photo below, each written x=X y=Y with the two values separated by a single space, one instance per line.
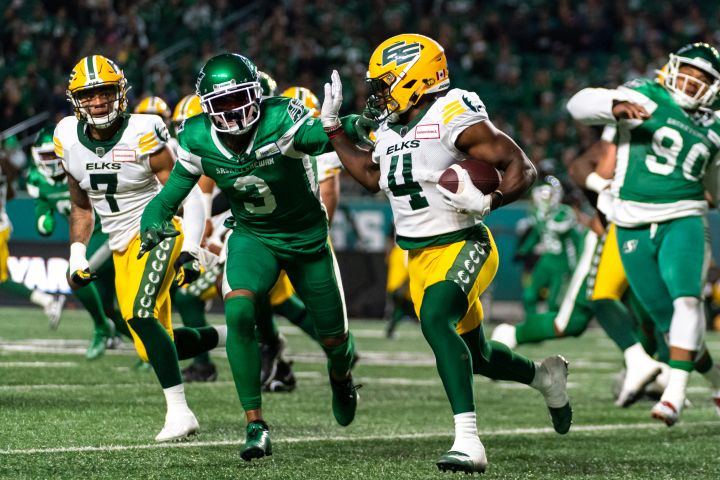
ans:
x=80 y=274
x=330 y=110
x=364 y=126
x=152 y=237
x=470 y=200
x=187 y=268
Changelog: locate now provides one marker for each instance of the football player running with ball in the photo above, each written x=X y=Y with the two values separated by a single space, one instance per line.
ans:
x=422 y=128
x=667 y=137
x=256 y=150
x=115 y=163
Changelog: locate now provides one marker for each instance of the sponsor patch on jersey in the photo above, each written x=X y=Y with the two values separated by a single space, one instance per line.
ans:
x=427 y=132
x=123 y=155
x=267 y=151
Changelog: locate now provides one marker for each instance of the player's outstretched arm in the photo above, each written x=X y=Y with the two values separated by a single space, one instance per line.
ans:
x=154 y=224
x=82 y=220
x=601 y=106
x=357 y=162
x=485 y=142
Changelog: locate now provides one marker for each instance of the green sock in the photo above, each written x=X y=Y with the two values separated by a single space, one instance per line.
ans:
x=662 y=351
x=294 y=310
x=192 y=312
x=495 y=360
x=160 y=350
x=617 y=322
x=444 y=304
x=120 y=324
x=194 y=342
x=644 y=327
x=340 y=356
x=243 y=351
x=14 y=288
x=90 y=299
x=685 y=365
x=267 y=328
x=536 y=328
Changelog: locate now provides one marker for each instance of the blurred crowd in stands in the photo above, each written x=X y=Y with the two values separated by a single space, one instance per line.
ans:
x=524 y=58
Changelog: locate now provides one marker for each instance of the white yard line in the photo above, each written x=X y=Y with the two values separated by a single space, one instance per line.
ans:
x=37 y=364
x=358 y=438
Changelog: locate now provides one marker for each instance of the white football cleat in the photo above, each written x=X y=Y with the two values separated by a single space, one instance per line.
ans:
x=54 y=310
x=666 y=412
x=457 y=461
x=641 y=371
x=178 y=426
x=505 y=334
x=551 y=381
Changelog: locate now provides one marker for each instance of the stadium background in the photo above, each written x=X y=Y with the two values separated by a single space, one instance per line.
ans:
x=524 y=59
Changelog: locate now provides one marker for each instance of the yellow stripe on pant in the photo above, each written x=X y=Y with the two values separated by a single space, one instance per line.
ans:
x=472 y=264
x=142 y=284
x=610 y=282
x=4 y=254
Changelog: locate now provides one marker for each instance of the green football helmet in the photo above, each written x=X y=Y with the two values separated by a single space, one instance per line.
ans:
x=230 y=93
x=43 y=154
x=703 y=57
x=268 y=84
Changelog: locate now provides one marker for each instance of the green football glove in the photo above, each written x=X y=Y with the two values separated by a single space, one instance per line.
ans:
x=46 y=224
x=364 y=126
x=152 y=236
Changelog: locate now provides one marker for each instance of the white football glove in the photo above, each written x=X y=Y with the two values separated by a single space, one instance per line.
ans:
x=468 y=198
x=329 y=113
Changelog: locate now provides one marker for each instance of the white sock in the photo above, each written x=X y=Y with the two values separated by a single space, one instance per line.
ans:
x=222 y=335
x=41 y=298
x=713 y=376
x=675 y=390
x=635 y=353
x=466 y=434
x=175 y=398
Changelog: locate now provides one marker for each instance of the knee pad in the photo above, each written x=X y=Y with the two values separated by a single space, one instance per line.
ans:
x=687 y=329
x=240 y=315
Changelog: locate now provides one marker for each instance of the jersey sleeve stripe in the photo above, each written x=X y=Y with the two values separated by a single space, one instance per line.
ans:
x=58 y=147
x=449 y=115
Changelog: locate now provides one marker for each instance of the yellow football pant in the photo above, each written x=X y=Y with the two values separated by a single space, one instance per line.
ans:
x=143 y=285
x=469 y=263
x=610 y=280
x=4 y=254
x=397 y=269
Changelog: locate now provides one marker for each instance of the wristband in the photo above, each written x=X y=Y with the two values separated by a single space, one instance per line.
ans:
x=596 y=183
x=497 y=199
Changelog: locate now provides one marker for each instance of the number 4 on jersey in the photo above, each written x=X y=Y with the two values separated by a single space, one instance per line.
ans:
x=410 y=186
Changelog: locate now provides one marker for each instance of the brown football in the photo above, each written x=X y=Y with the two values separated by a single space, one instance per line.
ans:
x=485 y=177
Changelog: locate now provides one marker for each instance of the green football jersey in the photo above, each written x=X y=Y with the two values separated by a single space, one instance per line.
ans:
x=272 y=186
x=661 y=162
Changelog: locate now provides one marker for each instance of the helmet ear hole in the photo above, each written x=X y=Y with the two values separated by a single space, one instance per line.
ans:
x=410 y=84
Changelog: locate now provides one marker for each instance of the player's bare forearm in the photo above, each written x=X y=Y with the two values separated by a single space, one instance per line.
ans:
x=357 y=162
x=485 y=142
x=330 y=194
x=82 y=217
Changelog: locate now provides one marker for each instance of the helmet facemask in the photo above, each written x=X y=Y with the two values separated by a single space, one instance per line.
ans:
x=548 y=196
x=47 y=162
x=679 y=83
x=112 y=95
x=233 y=109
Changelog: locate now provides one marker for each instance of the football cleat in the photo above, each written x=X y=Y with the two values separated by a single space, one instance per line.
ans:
x=54 y=310
x=269 y=357
x=554 y=389
x=666 y=412
x=454 y=461
x=284 y=380
x=640 y=373
x=344 y=399
x=505 y=334
x=99 y=341
x=257 y=441
x=200 y=372
x=178 y=426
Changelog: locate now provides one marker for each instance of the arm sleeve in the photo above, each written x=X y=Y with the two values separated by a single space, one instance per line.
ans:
x=166 y=203
x=593 y=106
x=310 y=138
x=193 y=220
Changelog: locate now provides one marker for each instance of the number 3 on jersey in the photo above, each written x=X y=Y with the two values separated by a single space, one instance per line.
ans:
x=260 y=199
x=109 y=179
x=410 y=186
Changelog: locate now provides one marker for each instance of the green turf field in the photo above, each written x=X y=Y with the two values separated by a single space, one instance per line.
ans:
x=63 y=417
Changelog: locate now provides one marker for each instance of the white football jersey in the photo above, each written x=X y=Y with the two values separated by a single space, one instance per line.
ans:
x=116 y=174
x=411 y=158
x=328 y=165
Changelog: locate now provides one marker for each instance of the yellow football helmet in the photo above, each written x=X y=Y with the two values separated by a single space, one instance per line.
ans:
x=187 y=107
x=97 y=76
x=403 y=69
x=154 y=106
x=306 y=97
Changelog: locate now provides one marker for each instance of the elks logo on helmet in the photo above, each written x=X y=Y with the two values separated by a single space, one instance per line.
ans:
x=400 y=53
